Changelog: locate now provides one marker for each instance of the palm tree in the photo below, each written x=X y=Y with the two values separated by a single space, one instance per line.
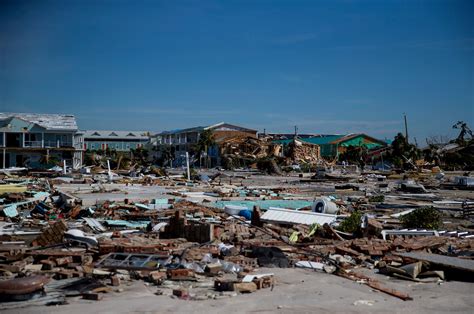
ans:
x=167 y=155
x=465 y=130
x=206 y=140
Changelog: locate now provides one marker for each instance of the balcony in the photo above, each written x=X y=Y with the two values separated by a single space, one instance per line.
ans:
x=57 y=144
x=33 y=144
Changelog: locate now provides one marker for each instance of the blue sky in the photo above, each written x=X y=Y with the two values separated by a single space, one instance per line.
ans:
x=326 y=66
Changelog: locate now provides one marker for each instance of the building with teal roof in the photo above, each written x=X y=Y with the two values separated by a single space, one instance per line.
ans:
x=332 y=145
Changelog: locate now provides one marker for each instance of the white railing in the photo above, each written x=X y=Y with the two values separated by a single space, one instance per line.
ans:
x=33 y=144
x=57 y=144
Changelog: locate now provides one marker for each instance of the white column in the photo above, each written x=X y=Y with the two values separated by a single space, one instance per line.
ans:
x=42 y=140
x=23 y=139
x=187 y=166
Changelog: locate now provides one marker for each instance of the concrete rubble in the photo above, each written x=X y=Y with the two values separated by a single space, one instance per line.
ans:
x=89 y=234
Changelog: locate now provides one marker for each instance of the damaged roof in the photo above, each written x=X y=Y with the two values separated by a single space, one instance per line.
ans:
x=53 y=122
x=221 y=126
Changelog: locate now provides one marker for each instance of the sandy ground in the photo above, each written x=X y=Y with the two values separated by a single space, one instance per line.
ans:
x=297 y=291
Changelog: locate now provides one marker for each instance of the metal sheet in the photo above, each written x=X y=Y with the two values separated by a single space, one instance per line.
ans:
x=386 y=233
x=297 y=217
x=448 y=261
x=132 y=261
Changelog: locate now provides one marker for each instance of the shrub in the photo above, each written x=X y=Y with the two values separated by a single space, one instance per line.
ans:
x=377 y=199
x=424 y=217
x=352 y=223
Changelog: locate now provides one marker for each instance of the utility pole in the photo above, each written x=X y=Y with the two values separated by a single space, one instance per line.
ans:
x=406 y=127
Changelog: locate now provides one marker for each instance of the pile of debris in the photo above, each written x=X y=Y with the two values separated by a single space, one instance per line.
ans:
x=53 y=247
x=252 y=152
x=242 y=152
x=304 y=153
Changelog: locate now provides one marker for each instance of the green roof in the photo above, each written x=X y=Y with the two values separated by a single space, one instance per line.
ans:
x=319 y=140
x=329 y=143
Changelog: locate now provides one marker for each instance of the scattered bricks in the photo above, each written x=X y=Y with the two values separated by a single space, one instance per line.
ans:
x=115 y=281
x=15 y=267
x=331 y=232
x=141 y=274
x=374 y=227
x=92 y=296
x=52 y=235
x=389 y=258
x=181 y=293
x=245 y=287
x=67 y=273
x=106 y=249
x=181 y=274
x=200 y=233
x=375 y=253
x=63 y=260
x=213 y=268
x=48 y=264
x=242 y=261
x=157 y=277
x=197 y=253
x=346 y=251
x=72 y=265
x=224 y=285
x=62 y=274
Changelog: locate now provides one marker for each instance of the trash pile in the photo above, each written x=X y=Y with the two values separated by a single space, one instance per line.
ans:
x=210 y=239
x=252 y=152
x=243 y=152
x=304 y=153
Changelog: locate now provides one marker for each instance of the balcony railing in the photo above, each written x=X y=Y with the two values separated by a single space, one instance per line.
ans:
x=33 y=144
x=57 y=144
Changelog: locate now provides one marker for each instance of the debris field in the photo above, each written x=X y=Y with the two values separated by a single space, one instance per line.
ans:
x=89 y=235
